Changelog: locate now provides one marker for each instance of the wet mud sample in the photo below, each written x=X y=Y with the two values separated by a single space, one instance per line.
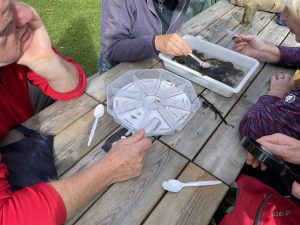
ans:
x=222 y=71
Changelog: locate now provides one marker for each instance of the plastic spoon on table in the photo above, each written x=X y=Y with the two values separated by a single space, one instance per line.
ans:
x=98 y=113
x=176 y=186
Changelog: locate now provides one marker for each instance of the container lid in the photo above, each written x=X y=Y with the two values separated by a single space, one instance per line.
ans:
x=154 y=99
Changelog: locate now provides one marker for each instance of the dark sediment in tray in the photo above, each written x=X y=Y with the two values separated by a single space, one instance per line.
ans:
x=222 y=71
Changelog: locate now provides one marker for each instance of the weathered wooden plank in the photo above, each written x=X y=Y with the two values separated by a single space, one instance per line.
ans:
x=191 y=205
x=223 y=155
x=205 y=18
x=260 y=20
x=59 y=115
x=71 y=144
x=97 y=88
x=291 y=41
x=130 y=202
x=217 y=30
x=193 y=136
x=92 y=157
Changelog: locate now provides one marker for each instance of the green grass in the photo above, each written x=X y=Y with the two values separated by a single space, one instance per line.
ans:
x=74 y=28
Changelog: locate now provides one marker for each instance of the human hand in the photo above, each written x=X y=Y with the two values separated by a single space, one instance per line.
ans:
x=253 y=46
x=126 y=158
x=296 y=189
x=280 y=85
x=39 y=52
x=172 y=44
x=283 y=146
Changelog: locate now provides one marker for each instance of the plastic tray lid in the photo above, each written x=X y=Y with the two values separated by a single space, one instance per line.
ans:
x=154 y=99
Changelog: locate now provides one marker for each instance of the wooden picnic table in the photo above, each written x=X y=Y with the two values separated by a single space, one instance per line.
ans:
x=206 y=148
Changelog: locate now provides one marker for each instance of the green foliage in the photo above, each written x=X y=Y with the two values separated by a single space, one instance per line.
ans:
x=74 y=28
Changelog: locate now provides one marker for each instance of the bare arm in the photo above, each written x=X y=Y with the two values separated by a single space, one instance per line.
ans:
x=39 y=57
x=124 y=161
x=253 y=46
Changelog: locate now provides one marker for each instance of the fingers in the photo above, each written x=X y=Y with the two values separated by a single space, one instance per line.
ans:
x=251 y=161
x=143 y=145
x=241 y=47
x=263 y=167
x=278 y=139
x=276 y=149
x=135 y=137
x=284 y=76
x=246 y=38
x=137 y=141
x=172 y=44
x=181 y=45
x=255 y=163
x=296 y=189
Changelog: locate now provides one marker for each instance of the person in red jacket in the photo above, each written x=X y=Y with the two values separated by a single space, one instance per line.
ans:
x=26 y=166
x=26 y=55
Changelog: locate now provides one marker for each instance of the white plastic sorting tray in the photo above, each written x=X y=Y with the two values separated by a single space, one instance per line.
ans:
x=154 y=99
x=248 y=65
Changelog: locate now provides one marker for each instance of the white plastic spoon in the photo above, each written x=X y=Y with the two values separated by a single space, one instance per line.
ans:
x=175 y=185
x=98 y=113
x=202 y=64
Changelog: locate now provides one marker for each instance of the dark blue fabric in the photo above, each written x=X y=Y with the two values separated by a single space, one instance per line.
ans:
x=104 y=65
x=30 y=160
x=280 y=20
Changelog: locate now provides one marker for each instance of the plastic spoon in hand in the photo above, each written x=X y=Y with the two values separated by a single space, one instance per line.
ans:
x=202 y=64
x=98 y=113
x=176 y=186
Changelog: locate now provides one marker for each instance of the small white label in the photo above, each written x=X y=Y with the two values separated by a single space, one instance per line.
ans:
x=290 y=98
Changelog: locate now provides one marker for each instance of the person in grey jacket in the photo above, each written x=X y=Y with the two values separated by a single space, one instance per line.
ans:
x=134 y=30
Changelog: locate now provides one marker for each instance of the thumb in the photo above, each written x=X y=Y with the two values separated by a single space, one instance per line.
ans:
x=278 y=150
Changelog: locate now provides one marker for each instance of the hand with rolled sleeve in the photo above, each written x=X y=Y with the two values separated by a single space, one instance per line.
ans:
x=280 y=85
x=172 y=44
x=253 y=46
x=285 y=148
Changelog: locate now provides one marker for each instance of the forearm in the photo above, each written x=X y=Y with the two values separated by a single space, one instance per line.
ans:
x=270 y=54
x=76 y=191
x=61 y=75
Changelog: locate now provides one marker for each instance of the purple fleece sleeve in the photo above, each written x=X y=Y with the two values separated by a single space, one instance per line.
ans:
x=289 y=56
x=271 y=115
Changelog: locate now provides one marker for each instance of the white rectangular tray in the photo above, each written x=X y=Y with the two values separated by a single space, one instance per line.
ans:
x=248 y=64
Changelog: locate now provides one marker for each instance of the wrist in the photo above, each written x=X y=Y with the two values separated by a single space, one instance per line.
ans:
x=44 y=66
x=61 y=75
x=270 y=54
x=276 y=94
x=107 y=171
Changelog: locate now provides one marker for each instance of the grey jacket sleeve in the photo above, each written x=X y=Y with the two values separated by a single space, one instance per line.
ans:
x=118 y=43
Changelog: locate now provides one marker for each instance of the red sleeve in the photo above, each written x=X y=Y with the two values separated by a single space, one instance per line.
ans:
x=36 y=80
x=35 y=205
